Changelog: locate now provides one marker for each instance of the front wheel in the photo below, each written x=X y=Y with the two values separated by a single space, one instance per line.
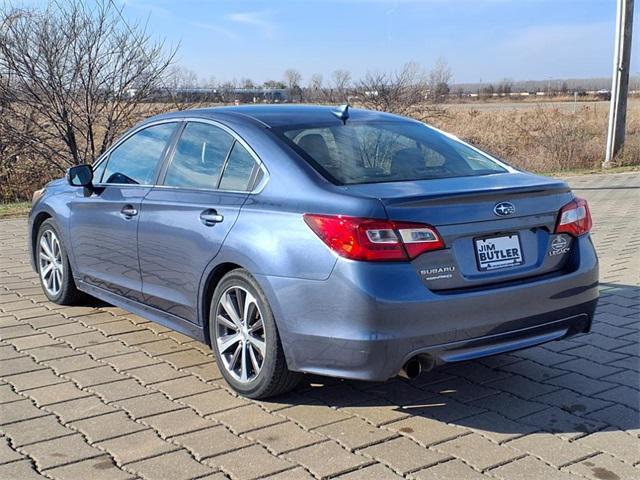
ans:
x=245 y=339
x=54 y=268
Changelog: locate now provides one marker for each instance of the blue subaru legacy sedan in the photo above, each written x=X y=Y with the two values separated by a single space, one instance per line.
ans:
x=326 y=240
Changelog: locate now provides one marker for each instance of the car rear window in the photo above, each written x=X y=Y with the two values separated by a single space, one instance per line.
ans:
x=385 y=152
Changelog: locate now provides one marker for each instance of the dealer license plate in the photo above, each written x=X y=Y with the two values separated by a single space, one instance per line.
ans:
x=498 y=252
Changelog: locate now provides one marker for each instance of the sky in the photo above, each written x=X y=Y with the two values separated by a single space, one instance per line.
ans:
x=484 y=40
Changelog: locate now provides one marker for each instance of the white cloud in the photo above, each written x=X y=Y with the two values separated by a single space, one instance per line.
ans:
x=215 y=28
x=259 y=20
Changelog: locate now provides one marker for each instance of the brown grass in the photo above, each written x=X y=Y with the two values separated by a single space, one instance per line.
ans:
x=544 y=139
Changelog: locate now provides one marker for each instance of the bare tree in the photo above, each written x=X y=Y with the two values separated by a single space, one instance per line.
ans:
x=505 y=87
x=439 y=78
x=247 y=83
x=314 y=90
x=397 y=92
x=211 y=82
x=341 y=85
x=292 y=78
x=178 y=77
x=74 y=77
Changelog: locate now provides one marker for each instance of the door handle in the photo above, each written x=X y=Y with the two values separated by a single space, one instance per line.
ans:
x=129 y=211
x=210 y=217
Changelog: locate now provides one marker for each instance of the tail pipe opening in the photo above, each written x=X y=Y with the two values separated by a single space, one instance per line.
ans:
x=416 y=366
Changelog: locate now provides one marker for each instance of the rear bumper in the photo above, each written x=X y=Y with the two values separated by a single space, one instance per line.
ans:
x=368 y=319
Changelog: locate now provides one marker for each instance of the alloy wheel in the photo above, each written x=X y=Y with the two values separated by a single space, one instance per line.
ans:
x=50 y=262
x=240 y=334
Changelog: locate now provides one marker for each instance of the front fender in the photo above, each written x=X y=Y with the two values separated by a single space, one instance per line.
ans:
x=57 y=206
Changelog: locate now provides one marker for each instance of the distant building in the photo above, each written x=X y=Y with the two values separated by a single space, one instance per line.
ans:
x=224 y=95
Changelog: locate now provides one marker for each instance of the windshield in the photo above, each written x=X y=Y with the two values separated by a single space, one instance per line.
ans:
x=385 y=152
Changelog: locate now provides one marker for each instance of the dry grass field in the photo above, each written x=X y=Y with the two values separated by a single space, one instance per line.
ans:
x=547 y=138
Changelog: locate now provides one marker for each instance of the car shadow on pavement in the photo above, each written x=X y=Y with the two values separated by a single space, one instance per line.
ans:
x=574 y=386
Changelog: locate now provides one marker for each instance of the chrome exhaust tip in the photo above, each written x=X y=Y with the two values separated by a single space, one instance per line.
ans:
x=416 y=366
x=412 y=369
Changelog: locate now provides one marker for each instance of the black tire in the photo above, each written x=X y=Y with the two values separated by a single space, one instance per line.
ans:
x=68 y=293
x=274 y=378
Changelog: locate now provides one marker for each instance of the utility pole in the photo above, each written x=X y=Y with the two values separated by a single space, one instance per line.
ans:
x=620 y=81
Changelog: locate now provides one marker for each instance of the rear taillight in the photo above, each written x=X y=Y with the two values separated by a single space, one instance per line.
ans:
x=374 y=240
x=574 y=218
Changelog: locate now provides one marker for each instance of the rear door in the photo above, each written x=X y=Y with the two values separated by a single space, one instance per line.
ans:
x=185 y=219
x=104 y=221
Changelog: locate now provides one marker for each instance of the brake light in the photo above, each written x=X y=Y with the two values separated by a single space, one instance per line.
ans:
x=574 y=218
x=374 y=240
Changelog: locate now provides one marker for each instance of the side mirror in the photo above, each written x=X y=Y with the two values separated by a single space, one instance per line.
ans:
x=80 y=176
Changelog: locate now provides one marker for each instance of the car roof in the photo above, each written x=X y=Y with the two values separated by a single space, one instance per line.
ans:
x=282 y=115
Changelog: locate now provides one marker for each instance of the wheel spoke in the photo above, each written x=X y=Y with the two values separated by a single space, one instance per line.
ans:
x=254 y=360
x=227 y=323
x=235 y=357
x=44 y=245
x=227 y=341
x=49 y=281
x=256 y=326
x=258 y=343
x=229 y=307
x=46 y=270
x=243 y=364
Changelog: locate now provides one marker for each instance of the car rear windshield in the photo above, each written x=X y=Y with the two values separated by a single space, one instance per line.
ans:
x=370 y=152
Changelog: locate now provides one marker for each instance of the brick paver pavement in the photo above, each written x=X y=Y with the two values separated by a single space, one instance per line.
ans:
x=94 y=392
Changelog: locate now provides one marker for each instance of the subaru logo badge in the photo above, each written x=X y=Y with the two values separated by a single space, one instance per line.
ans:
x=503 y=209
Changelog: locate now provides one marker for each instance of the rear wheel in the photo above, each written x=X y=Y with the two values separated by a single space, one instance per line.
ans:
x=245 y=339
x=54 y=268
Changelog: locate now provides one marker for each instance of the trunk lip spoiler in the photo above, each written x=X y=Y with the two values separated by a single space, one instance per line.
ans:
x=474 y=195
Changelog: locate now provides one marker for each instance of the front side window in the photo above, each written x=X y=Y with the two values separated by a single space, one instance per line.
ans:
x=386 y=152
x=199 y=157
x=98 y=170
x=239 y=169
x=136 y=159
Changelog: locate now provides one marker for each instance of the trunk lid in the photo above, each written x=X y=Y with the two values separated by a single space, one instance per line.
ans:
x=482 y=246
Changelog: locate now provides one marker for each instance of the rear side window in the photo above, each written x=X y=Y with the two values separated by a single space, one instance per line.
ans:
x=199 y=157
x=136 y=159
x=239 y=170
x=386 y=152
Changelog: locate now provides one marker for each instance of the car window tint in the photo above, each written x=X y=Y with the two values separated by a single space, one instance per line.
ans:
x=136 y=159
x=98 y=170
x=360 y=152
x=237 y=173
x=199 y=157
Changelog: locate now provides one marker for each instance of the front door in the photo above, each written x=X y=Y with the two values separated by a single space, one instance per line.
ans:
x=104 y=221
x=186 y=218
